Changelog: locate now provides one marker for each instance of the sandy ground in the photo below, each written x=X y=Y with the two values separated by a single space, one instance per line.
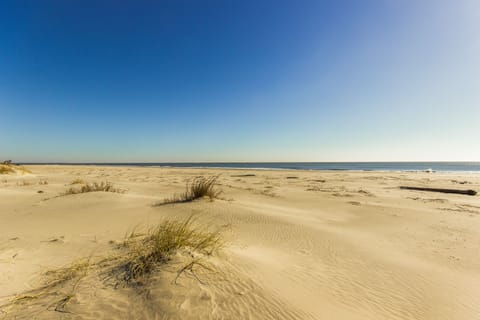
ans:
x=299 y=245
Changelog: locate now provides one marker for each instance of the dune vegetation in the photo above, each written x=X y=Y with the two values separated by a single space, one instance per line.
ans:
x=5 y=169
x=198 y=188
x=132 y=263
x=8 y=168
x=58 y=287
x=77 y=181
x=103 y=186
x=145 y=253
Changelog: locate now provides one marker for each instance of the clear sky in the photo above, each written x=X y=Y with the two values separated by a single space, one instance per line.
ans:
x=273 y=80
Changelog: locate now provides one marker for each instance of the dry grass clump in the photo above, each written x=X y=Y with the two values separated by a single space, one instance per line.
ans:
x=55 y=286
x=198 y=188
x=147 y=252
x=13 y=168
x=24 y=183
x=77 y=181
x=92 y=187
x=75 y=271
x=139 y=257
x=6 y=169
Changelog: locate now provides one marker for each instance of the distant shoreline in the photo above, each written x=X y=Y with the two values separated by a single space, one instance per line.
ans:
x=444 y=167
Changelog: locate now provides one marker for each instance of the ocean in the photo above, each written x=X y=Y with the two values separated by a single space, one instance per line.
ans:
x=355 y=166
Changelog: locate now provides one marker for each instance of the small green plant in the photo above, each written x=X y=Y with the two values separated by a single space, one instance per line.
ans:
x=198 y=188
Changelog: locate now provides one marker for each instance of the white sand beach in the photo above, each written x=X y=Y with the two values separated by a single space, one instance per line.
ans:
x=297 y=245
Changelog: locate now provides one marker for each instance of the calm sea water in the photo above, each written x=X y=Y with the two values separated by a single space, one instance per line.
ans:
x=357 y=166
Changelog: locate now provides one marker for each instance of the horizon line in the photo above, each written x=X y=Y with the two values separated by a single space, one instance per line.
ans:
x=188 y=162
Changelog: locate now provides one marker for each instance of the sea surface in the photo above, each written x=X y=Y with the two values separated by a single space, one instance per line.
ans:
x=353 y=166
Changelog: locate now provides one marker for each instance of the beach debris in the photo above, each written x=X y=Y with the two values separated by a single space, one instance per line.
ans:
x=61 y=305
x=461 y=182
x=55 y=239
x=456 y=191
x=366 y=193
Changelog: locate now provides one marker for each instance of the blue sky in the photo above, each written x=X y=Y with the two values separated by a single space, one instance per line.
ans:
x=180 y=80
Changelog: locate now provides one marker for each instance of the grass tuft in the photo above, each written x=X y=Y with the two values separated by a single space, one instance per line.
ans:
x=145 y=253
x=198 y=188
x=76 y=271
x=54 y=284
x=24 y=183
x=92 y=187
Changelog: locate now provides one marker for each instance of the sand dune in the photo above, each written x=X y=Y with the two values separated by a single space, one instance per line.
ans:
x=299 y=245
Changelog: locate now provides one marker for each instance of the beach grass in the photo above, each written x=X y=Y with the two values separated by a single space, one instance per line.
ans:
x=103 y=186
x=198 y=188
x=77 y=181
x=12 y=168
x=145 y=253
x=75 y=271
x=6 y=169
x=54 y=286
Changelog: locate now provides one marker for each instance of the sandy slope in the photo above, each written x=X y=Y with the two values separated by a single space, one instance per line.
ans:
x=300 y=245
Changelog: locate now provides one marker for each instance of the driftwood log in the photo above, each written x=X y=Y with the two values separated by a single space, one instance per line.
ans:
x=457 y=191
